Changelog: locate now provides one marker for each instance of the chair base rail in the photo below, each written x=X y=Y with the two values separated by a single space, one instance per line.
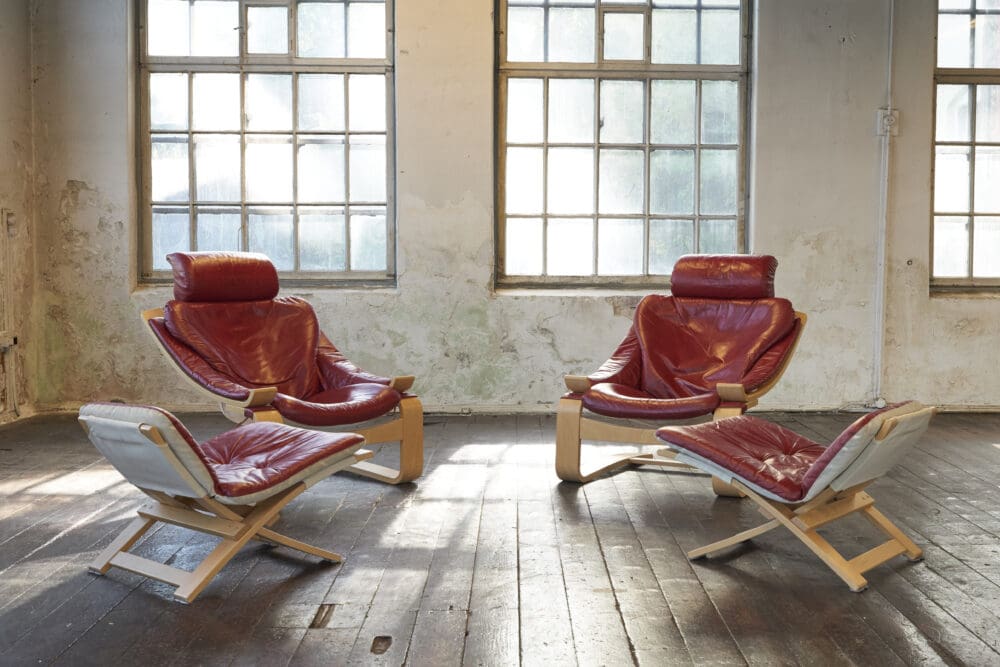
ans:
x=572 y=428
x=235 y=531
x=802 y=521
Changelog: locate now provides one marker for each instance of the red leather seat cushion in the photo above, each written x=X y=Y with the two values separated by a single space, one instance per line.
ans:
x=344 y=405
x=619 y=400
x=766 y=454
x=256 y=343
x=255 y=457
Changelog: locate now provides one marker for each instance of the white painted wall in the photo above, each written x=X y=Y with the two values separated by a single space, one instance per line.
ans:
x=820 y=76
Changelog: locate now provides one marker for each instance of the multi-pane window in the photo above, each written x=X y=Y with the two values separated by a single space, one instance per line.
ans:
x=267 y=127
x=620 y=132
x=966 y=226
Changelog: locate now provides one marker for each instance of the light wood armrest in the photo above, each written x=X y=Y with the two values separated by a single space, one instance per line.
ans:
x=147 y=315
x=577 y=383
x=260 y=396
x=402 y=382
x=731 y=392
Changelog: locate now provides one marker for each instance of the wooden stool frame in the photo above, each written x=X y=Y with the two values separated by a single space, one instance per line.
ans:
x=234 y=524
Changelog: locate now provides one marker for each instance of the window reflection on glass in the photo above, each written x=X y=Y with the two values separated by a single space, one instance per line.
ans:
x=620 y=151
x=270 y=150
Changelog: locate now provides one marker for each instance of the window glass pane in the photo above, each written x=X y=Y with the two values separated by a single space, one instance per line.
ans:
x=366 y=103
x=525 y=110
x=986 y=251
x=717 y=237
x=953 y=41
x=321 y=102
x=673 y=112
x=720 y=117
x=269 y=169
x=368 y=242
x=619 y=247
x=217 y=167
x=668 y=240
x=987 y=36
x=571 y=181
x=272 y=233
x=571 y=111
x=570 y=247
x=571 y=35
x=987 y=112
x=170 y=170
x=671 y=183
x=953 y=113
x=171 y=233
x=523 y=254
x=951 y=179
x=366 y=30
x=987 y=178
x=269 y=102
x=675 y=36
x=622 y=112
x=321 y=170
x=367 y=165
x=322 y=240
x=215 y=28
x=167 y=28
x=267 y=29
x=621 y=181
x=951 y=247
x=720 y=37
x=524 y=180
x=216 y=101
x=624 y=36
x=719 y=182
x=219 y=230
x=954 y=4
x=321 y=29
x=168 y=101
x=525 y=34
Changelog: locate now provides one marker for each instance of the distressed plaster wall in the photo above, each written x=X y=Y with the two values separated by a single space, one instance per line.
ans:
x=16 y=172
x=819 y=78
x=942 y=348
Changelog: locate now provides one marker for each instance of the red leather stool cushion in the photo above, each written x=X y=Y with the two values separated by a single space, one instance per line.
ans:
x=258 y=456
x=769 y=455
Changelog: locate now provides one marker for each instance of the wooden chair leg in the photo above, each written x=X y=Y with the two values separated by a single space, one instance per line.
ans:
x=879 y=520
x=408 y=430
x=804 y=521
x=569 y=444
x=235 y=531
x=133 y=531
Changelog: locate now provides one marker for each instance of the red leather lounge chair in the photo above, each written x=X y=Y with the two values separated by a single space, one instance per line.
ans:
x=802 y=485
x=264 y=358
x=713 y=347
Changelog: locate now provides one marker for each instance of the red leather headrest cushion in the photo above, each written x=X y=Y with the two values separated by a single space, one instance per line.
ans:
x=223 y=276
x=724 y=276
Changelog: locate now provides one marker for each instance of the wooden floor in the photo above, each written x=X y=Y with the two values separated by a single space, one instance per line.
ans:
x=488 y=560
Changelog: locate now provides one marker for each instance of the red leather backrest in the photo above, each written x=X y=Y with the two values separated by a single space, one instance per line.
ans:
x=256 y=343
x=724 y=276
x=689 y=345
x=223 y=276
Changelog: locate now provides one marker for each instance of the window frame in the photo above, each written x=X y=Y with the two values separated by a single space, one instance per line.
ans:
x=243 y=65
x=620 y=70
x=972 y=77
